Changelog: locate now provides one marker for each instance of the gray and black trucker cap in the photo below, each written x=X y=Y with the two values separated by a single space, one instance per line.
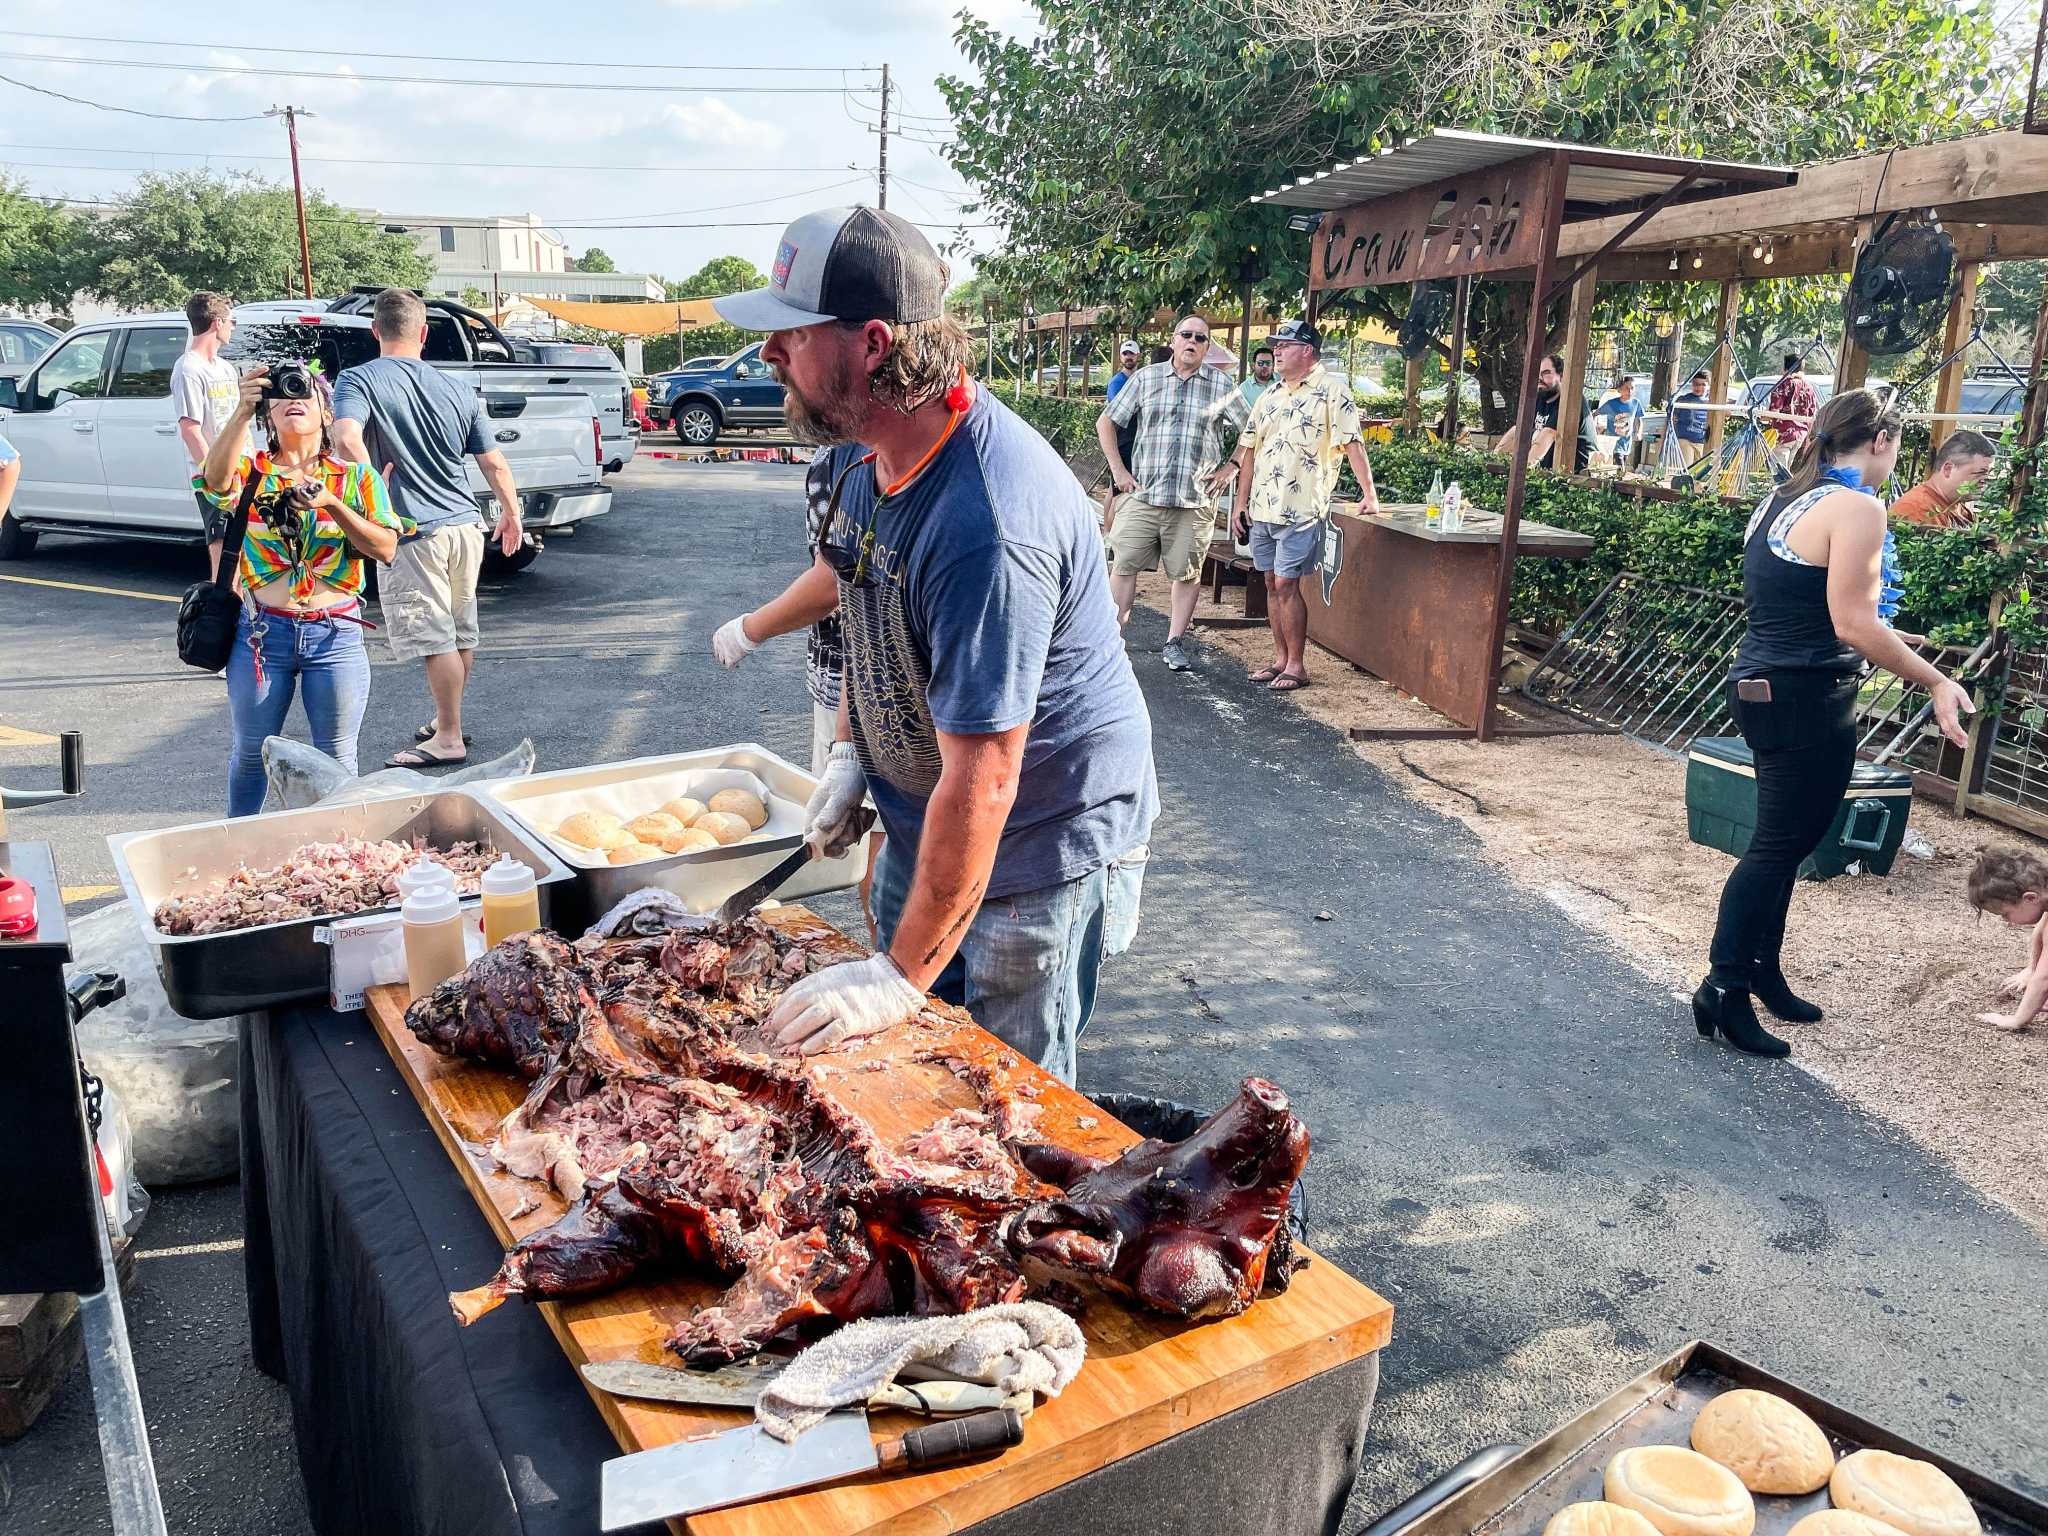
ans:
x=844 y=264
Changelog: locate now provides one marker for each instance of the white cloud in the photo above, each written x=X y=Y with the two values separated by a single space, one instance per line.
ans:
x=711 y=123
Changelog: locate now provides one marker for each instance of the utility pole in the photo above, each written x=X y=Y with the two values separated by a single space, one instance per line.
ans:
x=882 y=171
x=291 y=116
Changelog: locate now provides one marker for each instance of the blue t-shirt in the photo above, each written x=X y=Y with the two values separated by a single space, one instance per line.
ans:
x=1621 y=418
x=8 y=452
x=1117 y=381
x=425 y=424
x=1688 y=421
x=990 y=609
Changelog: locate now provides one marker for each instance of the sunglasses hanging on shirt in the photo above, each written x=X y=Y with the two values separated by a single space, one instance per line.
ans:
x=848 y=549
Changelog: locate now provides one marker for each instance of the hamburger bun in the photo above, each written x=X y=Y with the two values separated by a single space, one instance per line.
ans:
x=599 y=830
x=1841 y=1522
x=659 y=829
x=634 y=853
x=723 y=825
x=1680 y=1492
x=1596 y=1517
x=1915 y=1496
x=1765 y=1441
x=684 y=809
x=741 y=803
x=692 y=840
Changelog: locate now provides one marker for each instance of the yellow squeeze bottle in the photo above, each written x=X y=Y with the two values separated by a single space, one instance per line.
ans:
x=432 y=923
x=511 y=901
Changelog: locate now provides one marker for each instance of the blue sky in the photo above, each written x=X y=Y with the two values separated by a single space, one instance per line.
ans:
x=661 y=156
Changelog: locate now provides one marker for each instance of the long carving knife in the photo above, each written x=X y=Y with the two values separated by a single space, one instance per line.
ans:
x=740 y=1386
x=747 y=897
x=748 y=1463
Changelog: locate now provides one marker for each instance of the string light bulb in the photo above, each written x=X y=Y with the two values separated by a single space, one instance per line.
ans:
x=1756 y=250
x=1770 y=252
x=1698 y=261
x=1674 y=261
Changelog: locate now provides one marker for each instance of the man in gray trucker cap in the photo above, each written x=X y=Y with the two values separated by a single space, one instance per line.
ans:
x=987 y=705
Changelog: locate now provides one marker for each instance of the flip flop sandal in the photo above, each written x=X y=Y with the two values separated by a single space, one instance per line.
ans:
x=1287 y=682
x=420 y=757
x=1263 y=675
x=426 y=733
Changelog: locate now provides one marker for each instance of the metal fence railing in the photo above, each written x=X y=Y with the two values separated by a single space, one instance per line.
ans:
x=2015 y=752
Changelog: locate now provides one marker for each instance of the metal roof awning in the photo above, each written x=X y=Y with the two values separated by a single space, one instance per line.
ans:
x=1600 y=180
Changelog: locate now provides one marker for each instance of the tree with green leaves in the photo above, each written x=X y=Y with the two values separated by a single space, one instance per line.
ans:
x=476 y=298
x=236 y=234
x=720 y=275
x=594 y=260
x=1140 y=200
x=42 y=250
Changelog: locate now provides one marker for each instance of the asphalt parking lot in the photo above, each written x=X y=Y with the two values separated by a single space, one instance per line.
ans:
x=1518 y=1139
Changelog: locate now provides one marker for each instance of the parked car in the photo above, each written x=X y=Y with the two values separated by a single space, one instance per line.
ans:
x=22 y=342
x=702 y=402
x=101 y=454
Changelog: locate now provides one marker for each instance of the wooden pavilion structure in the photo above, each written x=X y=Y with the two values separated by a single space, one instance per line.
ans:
x=1463 y=205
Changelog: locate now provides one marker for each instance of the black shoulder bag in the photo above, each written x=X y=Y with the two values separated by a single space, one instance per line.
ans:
x=209 y=611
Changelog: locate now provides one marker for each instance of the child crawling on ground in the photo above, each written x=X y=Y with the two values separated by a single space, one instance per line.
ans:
x=2014 y=885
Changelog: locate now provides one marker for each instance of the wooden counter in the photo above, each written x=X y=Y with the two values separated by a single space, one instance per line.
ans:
x=1148 y=1377
x=1409 y=603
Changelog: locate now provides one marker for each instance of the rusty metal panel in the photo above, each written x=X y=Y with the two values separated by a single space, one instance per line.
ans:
x=1484 y=221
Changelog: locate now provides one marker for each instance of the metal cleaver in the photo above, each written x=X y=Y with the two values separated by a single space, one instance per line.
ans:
x=748 y=1463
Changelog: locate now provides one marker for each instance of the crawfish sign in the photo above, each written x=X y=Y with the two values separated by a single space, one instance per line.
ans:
x=1489 y=221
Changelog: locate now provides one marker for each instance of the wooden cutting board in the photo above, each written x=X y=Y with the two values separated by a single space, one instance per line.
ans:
x=1148 y=1376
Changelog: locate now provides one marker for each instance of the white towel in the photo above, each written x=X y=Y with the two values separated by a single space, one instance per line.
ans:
x=647 y=914
x=1021 y=1346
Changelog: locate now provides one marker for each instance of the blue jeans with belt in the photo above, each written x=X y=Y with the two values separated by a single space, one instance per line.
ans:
x=324 y=662
x=1028 y=966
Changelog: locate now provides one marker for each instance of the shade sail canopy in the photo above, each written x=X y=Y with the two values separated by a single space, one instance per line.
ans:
x=662 y=319
x=1600 y=180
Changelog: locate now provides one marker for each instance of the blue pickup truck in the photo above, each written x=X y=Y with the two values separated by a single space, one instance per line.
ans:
x=700 y=403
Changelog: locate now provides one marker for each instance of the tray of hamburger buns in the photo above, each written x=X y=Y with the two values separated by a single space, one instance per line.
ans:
x=697 y=824
x=1706 y=1444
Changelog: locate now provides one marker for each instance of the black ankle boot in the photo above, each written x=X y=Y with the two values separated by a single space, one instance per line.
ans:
x=1724 y=1009
x=1768 y=985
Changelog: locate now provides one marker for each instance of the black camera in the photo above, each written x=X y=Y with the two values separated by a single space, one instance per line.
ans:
x=288 y=381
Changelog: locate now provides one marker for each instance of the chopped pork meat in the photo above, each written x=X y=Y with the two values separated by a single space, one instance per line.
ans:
x=319 y=880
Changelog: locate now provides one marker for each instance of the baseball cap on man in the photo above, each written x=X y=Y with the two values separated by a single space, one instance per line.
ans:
x=844 y=264
x=1298 y=330
x=1128 y=349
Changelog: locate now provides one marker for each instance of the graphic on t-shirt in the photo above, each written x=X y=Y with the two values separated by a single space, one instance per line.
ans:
x=885 y=680
x=1332 y=558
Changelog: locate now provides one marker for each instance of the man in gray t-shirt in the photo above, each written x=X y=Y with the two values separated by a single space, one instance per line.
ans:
x=420 y=425
x=204 y=391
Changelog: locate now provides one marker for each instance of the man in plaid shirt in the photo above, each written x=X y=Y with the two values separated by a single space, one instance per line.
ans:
x=1168 y=516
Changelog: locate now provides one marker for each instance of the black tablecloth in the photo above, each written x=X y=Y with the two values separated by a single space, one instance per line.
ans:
x=358 y=1226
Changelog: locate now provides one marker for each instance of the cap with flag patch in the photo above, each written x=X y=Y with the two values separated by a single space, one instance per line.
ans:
x=844 y=264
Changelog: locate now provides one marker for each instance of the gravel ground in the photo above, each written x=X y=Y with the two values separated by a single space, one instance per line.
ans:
x=1902 y=963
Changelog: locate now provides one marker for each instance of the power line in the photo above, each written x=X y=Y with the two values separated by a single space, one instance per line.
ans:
x=168 y=117
x=470 y=165
x=336 y=77
x=445 y=58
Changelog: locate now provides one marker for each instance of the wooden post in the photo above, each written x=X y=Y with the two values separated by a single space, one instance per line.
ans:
x=1571 y=401
x=1244 y=338
x=1724 y=361
x=1518 y=465
x=1461 y=296
x=1852 y=363
x=1066 y=347
x=1088 y=356
x=1948 y=389
x=1411 y=397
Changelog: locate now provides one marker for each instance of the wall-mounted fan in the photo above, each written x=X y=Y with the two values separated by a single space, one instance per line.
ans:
x=1900 y=291
x=1429 y=311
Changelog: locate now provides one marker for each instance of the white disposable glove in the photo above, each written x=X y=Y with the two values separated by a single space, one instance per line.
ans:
x=731 y=645
x=831 y=820
x=844 y=1002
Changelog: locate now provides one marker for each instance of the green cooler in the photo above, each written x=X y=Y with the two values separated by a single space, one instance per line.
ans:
x=1720 y=809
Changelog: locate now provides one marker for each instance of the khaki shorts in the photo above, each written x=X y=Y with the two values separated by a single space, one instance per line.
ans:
x=428 y=593
x=1173 y=538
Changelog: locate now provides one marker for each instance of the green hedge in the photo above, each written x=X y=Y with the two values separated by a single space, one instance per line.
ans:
x=1069 y=425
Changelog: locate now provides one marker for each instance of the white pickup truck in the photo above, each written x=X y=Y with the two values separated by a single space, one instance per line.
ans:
x=101 y=454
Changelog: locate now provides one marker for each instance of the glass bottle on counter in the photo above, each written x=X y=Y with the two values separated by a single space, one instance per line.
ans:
x=432 y=922
x=511 y=901
x=1433 y=503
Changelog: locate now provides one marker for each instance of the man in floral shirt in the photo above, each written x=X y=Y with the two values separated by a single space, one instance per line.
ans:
x=1793 y=396
x=1292 y=450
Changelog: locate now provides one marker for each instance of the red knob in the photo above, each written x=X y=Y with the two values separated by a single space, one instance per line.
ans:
x=17 y=906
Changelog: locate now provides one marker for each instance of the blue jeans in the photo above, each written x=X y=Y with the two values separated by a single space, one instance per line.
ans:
x=1027 y=968
x=324 y=661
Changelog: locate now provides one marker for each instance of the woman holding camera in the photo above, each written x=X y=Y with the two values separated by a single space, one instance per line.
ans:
x=312 y=523
x=1814 y=600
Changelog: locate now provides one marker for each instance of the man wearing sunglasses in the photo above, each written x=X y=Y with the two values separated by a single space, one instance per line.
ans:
x=1178 y=409
x=985 y=704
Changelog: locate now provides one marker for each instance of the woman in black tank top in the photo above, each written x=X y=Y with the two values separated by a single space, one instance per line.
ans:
x=1812 y=623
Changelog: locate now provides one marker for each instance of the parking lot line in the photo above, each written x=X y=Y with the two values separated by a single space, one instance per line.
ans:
x=79 y=586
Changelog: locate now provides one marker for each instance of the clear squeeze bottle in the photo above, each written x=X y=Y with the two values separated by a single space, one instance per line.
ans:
x=511 y=901
x=1453 y=517
x=423 y=874
x=1433 y=503
x=432 y=922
